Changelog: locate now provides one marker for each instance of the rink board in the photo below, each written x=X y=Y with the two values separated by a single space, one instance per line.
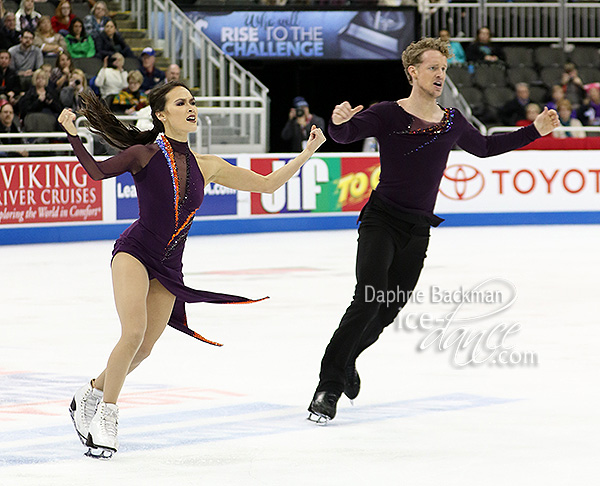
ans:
x=53 y=199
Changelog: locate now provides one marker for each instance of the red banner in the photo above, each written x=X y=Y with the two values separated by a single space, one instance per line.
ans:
x=48 y=192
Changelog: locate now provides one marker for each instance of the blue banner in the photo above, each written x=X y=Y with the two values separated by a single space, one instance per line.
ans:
x=290 y=35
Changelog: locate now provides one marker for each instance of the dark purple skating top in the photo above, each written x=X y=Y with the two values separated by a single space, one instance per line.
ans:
x=414 y=152
x=170 y=188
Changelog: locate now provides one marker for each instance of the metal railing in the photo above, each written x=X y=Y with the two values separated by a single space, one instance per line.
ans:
x=242 y=121
x=452 y=97
x=206 y=67
x=33 y=147
x=560 y=21
x=582 y=129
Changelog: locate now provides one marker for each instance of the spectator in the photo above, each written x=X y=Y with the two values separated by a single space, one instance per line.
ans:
x=557 y=94
x=297 y=128
x=514 y=110
x=9 y=36
x=152 y=75
x=26 y=17
x=456 y=49
x=94 y=22
x=482 y=49
x=9 y=125
x=63 y=16
x=589 y=111
x=572 y=84
x=79 y=44
x=173 y=73
x=70 y=95
x=26 y=58
x=110 y=42
x=59 y=76
x=532 y=110
x=40 y=99
x=132 y=98
x=565 y=115
x=10 y=84
x=51 y=43
x=112 y=79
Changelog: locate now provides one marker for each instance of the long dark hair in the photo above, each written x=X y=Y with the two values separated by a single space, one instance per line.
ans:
x=103 y=122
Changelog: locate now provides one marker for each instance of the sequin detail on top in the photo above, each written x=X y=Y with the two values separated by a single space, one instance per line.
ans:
x=167 y=151
x=436 y=130
x=181 y=231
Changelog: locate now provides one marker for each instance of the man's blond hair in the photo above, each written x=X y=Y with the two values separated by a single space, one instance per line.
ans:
x=412 y=54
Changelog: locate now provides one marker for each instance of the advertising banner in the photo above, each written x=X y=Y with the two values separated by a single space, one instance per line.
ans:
x=47 y=192
x=283 y=35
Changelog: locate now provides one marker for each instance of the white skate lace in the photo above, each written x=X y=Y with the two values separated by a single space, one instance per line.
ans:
x=90 y=405
x=109 y=422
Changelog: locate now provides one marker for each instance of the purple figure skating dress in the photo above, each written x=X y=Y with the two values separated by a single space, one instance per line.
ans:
x=170 y=189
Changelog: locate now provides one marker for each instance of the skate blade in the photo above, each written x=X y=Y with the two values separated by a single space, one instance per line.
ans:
x=99 y=453
x=318 y=418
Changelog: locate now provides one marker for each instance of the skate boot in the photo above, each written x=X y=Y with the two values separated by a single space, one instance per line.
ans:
x=83 y=408
x=352 y=385
x=323 y=407
x=102 y=437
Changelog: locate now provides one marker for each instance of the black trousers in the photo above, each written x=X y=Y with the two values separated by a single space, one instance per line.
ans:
x=392 y=246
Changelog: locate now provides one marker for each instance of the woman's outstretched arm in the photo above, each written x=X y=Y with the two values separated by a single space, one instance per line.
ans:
x=215 y=169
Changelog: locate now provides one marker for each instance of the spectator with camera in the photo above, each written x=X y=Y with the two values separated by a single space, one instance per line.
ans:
x=112 y=78
x=572 y=84
x=297 y=128
x=69 y=95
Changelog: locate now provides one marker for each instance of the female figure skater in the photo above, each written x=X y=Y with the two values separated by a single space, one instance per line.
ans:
x=147 y=258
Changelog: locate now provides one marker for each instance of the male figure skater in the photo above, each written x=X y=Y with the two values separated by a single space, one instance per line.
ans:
x=415 y=136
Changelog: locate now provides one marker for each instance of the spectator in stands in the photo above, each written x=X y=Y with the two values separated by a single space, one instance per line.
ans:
x=456 y=49
x=152 y=75
x=79 y=44
x=556 y=94
x=300 y=121
x=514 y=110
x=132 y=98
x=70 y=95
x=482 y=49
x=27 y=18
x=589 y=111
x=9 y=36
x=96 y=20
x=567 y=119
x=9 y=125
x=63 y=16
x=532 y=110
x=51 y=43
x=111 y=79
x=59 y=76
x=26 y=58
x=40 y=99
x=572 y=84
x=10 y=84
x=173 y=73
x=110 y=42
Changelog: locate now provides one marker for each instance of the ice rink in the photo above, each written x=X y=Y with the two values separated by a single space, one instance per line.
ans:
x=236 y=415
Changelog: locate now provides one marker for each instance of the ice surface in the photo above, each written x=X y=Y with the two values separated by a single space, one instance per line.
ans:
x=236 y=415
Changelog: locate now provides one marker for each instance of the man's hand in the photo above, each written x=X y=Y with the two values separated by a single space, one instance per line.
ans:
x=342 y=113
x=546 y=121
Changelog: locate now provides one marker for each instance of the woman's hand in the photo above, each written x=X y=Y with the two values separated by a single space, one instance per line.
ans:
x=67 y=120
x=316 y=139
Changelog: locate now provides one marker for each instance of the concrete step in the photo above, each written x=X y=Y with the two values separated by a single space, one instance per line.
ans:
x=133 y=33
x=138 y=42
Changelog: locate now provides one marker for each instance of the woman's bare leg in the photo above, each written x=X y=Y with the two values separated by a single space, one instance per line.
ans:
x=131 y=288
x=159 y=305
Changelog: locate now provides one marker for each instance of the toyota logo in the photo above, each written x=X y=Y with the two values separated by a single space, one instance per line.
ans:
x=462 y=182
